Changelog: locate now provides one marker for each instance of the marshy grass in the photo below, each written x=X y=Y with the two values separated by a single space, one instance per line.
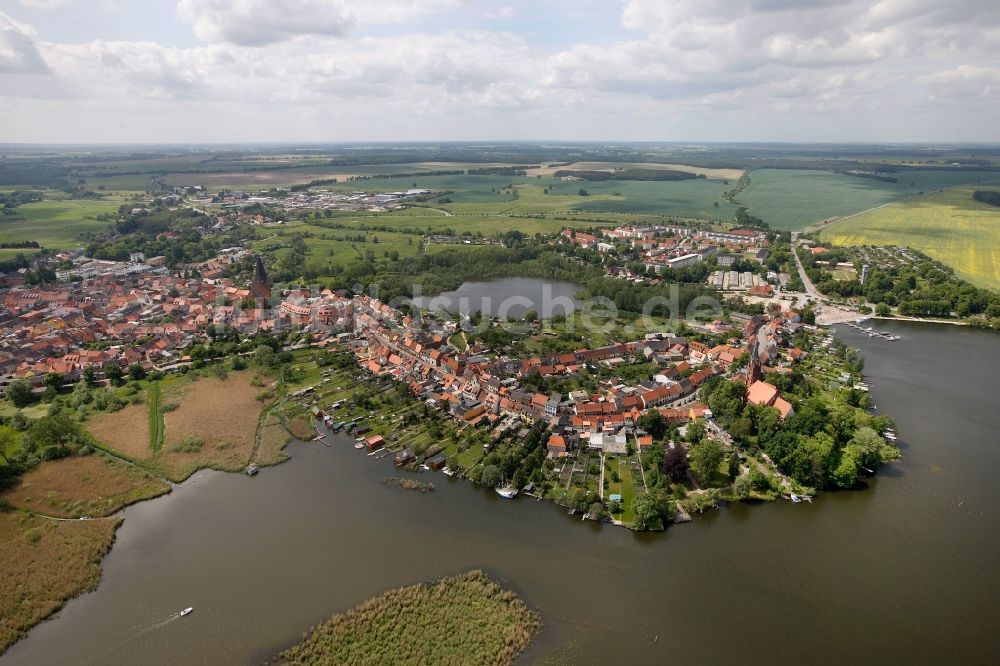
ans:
x=467 y=619
x=46 y=563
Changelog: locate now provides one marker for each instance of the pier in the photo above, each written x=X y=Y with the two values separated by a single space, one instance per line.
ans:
x=872 y=333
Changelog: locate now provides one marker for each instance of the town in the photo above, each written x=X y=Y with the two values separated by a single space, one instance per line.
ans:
x=610 y=419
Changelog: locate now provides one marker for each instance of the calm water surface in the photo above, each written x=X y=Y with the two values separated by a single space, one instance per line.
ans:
x=903 y=572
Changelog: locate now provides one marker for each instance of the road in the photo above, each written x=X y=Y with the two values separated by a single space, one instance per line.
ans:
x=810 y=288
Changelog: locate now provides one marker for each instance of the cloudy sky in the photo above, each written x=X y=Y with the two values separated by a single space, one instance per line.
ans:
x=341 y=70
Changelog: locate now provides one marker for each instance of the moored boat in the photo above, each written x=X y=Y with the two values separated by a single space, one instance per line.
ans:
x=507 y=492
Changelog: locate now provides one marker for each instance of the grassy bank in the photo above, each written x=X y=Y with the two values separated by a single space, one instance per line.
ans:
x=155 y=407
x=94 y=485
x=467 y=619
x=46 y=563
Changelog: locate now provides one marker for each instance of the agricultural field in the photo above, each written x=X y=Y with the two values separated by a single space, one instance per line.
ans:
x=716 y=174
x=492 y=195
x=46 y=563
x=795 y=199
x=949 y=226
x=466 y=619
x=76 y=486
x=57 y=224
x=249 y=175
x=111 y=182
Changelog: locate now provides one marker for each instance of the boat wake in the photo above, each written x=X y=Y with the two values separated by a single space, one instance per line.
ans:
x=133 y=633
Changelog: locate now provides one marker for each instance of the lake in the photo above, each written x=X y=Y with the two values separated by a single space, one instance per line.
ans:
x=902 y=572
x=507 y=298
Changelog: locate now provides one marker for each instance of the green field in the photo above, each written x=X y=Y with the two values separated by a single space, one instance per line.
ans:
x=949 y=226
x=328 y=247
x=490 y=194
x=794 y=199
x=56 y=224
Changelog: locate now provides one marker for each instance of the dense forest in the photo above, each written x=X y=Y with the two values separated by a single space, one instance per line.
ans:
x=990 y=197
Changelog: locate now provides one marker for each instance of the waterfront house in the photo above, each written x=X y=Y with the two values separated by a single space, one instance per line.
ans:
x=556 y=446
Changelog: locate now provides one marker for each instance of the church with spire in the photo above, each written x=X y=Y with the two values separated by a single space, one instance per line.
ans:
x=260 y=288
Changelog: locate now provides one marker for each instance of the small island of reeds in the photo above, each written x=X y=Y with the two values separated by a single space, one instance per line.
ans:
x=408 y=484
x=465 y=619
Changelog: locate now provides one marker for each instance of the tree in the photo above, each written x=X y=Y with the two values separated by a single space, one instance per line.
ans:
x=53 y=380
x=675 y=463
x=89 y=376
x=651 y=510
x=52 y=436
x=734 y=466
x=727 y=400
x=264 y=356
x=18 y=421
x=845 y=474
x=491 y=476
x=652 y=422
x=869 y=448
x=597 y=512
x=7 y=439
x=706 y=456
x=113 y=372
x=19 y=393
x=742 y=487
x=695 y=431
x=136 y=371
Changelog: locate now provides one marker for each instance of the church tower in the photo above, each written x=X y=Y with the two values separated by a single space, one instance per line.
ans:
x=260 y=288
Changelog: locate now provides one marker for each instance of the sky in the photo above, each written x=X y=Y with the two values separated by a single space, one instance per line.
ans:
x=215 y=71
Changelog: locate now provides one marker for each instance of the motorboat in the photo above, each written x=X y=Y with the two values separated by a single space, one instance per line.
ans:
x=187 y=611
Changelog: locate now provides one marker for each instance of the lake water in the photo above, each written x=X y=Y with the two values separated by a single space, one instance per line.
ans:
x=903 y=572
x=507 y=298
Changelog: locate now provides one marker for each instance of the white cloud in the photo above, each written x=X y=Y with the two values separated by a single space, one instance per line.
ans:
x=812 y=69
x=18 y=54
x=502 y=13
x=262 y=22
x=45 y=4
